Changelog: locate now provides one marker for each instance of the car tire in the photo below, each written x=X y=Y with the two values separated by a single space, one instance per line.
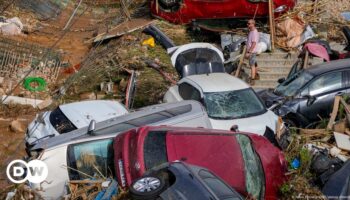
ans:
x=147 y=187
x=171 y=5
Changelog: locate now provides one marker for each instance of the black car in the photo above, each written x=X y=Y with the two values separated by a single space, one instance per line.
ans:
x=308 y=95
x=181 y=181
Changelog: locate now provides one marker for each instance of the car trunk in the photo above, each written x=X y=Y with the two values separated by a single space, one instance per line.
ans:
x=219 y=153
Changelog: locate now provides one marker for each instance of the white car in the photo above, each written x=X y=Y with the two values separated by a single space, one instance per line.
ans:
x=68 y=117
x=228 y=100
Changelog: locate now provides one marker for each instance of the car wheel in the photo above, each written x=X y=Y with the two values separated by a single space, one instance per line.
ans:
x=146 y=188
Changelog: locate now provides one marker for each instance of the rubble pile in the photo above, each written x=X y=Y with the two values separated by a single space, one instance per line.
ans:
x=325 y=17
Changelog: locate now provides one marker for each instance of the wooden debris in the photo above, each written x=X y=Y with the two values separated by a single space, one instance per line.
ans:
x=334 y=112
x=121 y=29
x=241 y=61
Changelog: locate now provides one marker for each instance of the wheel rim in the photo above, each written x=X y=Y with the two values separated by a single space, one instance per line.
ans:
x=146 y=184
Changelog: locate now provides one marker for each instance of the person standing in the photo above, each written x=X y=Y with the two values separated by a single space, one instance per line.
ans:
x=252 y=41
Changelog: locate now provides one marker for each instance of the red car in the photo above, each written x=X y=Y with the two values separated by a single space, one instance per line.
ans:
x=247 y=162
x=185 y=11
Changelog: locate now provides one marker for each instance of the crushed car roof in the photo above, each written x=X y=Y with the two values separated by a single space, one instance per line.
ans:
x=82 y=112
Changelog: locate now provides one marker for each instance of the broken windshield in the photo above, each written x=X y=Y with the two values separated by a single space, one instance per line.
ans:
x=233 y=104
x=293 y=84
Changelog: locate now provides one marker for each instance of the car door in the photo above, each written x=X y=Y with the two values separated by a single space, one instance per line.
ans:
x=323 y=89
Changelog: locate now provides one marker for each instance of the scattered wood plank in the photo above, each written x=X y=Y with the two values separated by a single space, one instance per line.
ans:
x=334 y=112
x=272 y=24
x=241 y=60
x=121 y=29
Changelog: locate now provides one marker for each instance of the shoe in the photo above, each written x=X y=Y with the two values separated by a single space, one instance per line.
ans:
x=251 y=81
x=257 y=76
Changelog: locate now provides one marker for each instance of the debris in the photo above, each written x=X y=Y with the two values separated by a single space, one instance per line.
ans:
x=110 y=189
x=295 y=163
x=317 y=50
x=272 y=24
x=88 y=96
x=34 y=84
x=159 y=36
x=342 y=140
x=11 y=26
x=155 y=66
x=44 y=9
x=241 y=62
x=130 y=90
x=21 y=100
x=289 y=32
x=149 y=42
x=346 y=15
x=46 y=103
x=17 y=127
x=121 y=29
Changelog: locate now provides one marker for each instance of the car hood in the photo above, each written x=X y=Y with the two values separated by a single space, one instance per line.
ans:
x=256 y=124
x=40 y=128
x=81 y=113
x=268 y=97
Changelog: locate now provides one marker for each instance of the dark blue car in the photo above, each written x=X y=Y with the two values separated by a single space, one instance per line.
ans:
x=181 y=181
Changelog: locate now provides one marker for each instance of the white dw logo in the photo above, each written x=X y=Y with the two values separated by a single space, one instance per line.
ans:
x=35 y=171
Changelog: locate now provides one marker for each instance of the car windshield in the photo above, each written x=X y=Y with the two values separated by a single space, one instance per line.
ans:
x=233 y=104
x=292 y=85
x=254 y=174
x=60 y=122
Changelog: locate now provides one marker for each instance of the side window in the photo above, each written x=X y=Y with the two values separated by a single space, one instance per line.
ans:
x=188 y=92
x=218 y=187
x=325 y=83
x=91 y=159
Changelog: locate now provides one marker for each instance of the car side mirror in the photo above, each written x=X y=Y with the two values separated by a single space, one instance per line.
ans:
x=91 y=127
x=281 y=80
x=310 y=99
x=234 y=128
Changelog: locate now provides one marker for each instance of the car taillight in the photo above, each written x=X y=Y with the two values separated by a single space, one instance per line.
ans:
x=122 y=172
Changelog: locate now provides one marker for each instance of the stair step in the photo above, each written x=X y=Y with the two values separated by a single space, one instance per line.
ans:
x=275 y=63
x=274 y=69
x=266 y=83
x=292 y=56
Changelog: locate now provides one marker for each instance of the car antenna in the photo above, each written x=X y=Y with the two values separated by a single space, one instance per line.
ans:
x=91 y=127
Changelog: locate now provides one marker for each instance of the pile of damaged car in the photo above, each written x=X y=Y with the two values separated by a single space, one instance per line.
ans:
x=175 y=100
x=199 y=144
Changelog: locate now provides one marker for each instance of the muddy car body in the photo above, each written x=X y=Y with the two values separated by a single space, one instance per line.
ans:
x=70 y=151
x=309 y=94
x=186 y=11
x=247 y=162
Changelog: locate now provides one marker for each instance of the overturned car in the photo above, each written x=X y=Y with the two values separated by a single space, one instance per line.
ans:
x=186 y=11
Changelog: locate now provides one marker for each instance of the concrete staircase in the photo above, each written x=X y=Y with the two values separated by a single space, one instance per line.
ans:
x=271 y=67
